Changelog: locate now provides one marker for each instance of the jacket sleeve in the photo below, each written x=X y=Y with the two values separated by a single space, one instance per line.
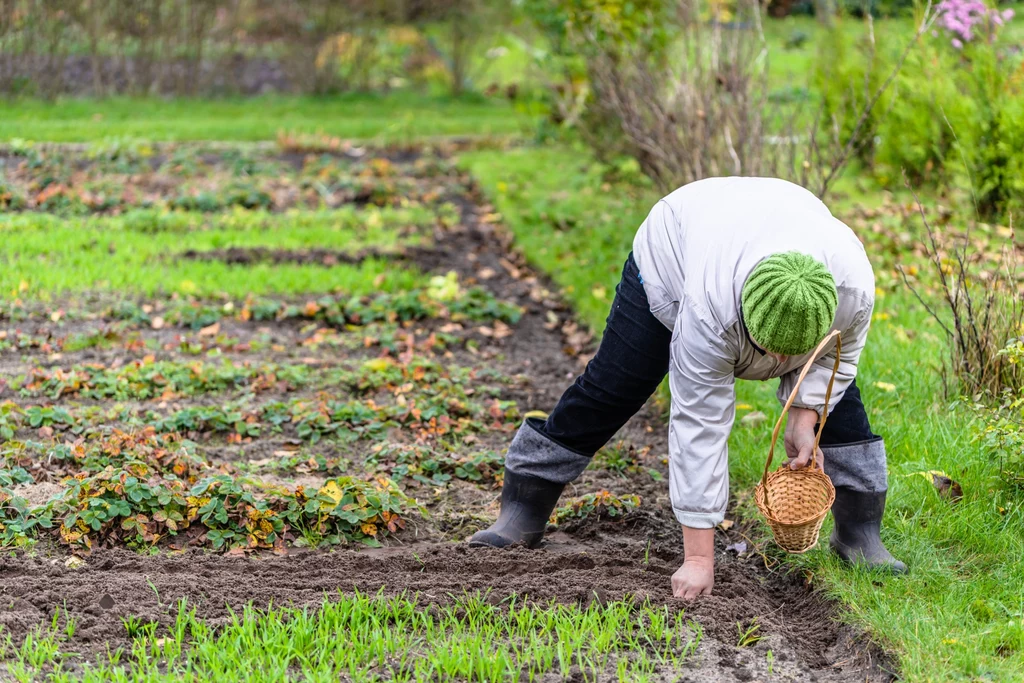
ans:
x=702 y=380
x=812 y=391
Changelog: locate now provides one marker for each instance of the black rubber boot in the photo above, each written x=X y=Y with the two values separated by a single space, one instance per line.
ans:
x=855 y=538
x=526 y=505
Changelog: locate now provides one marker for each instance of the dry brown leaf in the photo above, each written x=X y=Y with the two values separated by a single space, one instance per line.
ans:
x=210 y=330
x=947 y=488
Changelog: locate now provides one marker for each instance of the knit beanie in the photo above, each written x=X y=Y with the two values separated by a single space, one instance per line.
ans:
x=789 y=302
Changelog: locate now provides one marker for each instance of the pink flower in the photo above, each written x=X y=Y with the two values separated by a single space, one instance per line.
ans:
x=957 y=44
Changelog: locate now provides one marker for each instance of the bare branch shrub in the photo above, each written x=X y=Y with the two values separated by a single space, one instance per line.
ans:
x=981 y=311
x=703 y=108
x=698 y=113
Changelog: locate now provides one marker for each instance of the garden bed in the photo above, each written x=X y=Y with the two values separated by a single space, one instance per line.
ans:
x=186 y=426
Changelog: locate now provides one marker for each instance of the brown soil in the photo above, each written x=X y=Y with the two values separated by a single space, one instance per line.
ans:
x=632 y=557
x=323 y=257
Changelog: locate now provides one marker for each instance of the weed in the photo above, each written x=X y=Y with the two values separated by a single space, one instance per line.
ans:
x=748 y=633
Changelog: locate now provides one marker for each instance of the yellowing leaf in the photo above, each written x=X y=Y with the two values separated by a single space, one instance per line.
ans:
x=744 y=406
x=885 y=386
x=599 y=292
x=539 y=414
x=332 y=491
x=377 y=364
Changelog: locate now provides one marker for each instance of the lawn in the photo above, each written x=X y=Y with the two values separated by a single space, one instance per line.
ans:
x=394 y=118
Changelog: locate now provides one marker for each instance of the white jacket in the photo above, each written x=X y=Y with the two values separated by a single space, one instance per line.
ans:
x=694 y=252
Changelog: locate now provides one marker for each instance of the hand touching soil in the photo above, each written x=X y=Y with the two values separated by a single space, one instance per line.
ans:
x=799 y=438
x=696 y=577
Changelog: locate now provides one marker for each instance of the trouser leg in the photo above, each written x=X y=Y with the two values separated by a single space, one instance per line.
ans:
x=630 y=363
x=854 y=455
x=855 y=461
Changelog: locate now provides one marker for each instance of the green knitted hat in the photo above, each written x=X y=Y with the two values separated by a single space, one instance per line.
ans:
x=789 y=302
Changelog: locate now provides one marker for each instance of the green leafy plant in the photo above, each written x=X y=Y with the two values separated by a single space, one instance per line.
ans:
x=600 y=505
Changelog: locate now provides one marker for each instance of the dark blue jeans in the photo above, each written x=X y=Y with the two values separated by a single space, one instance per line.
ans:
x=631 y=362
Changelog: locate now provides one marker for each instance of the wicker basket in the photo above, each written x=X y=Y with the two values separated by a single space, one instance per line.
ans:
x=795 y=502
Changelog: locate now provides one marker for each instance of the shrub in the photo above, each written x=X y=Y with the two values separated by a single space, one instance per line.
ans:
x=688 y=98
x=995 y=146
x=982 y=306
x=1000 y=428
x=926 y=117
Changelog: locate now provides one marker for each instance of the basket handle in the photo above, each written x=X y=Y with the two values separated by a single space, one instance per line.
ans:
x=792 y=397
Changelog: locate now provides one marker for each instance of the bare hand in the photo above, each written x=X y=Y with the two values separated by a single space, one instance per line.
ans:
x=799 y=438
x=695 y=577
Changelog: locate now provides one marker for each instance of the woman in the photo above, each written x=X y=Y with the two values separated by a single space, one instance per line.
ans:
x=729 y=277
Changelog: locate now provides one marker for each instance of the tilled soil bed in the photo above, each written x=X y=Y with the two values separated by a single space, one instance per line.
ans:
x=528 y=363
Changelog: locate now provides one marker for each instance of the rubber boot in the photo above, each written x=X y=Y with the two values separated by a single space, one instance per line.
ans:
x=526 y=505
x=855 y=537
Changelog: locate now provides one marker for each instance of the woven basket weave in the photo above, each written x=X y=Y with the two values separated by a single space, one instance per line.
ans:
x=795 y=502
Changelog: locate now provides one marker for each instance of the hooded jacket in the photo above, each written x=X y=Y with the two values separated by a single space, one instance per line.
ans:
x=695 y=251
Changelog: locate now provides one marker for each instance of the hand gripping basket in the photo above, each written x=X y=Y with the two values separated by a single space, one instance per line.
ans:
x=795 y=502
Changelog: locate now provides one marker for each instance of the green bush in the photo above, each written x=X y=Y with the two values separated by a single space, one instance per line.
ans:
x=847 y=75
x=927 y=114
x=953 y=117
x=995 y=153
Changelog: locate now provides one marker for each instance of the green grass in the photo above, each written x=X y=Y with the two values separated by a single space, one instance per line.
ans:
x=958 y=614
x=138 y=253
x=393 y=118
x=359 y=638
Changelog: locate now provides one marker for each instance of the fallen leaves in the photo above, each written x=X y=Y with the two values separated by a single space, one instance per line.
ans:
x=947 y=488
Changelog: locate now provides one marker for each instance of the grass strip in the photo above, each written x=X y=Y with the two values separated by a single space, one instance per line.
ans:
x=141 y=253
x=399 y=117
x=363 y=638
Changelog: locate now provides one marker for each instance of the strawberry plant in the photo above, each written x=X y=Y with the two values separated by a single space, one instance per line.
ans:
x=146 y=379
x=11 y=416
x=210 y=419
x=14 y=476
x=161 y=453
x=46 y=416
x=600 y=505
x=348 y=509
x=131 y=504
x=18 y=521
